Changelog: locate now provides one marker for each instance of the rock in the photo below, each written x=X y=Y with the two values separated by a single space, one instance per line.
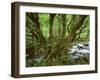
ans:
x=79 y=50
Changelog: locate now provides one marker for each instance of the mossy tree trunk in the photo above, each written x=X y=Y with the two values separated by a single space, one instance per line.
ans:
x=54 y=47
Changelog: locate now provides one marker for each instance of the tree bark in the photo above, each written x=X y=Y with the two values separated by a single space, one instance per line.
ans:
x=51 y=25
x=63 y=25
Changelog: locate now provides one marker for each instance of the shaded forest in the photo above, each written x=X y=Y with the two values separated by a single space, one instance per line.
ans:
x=50 y=36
